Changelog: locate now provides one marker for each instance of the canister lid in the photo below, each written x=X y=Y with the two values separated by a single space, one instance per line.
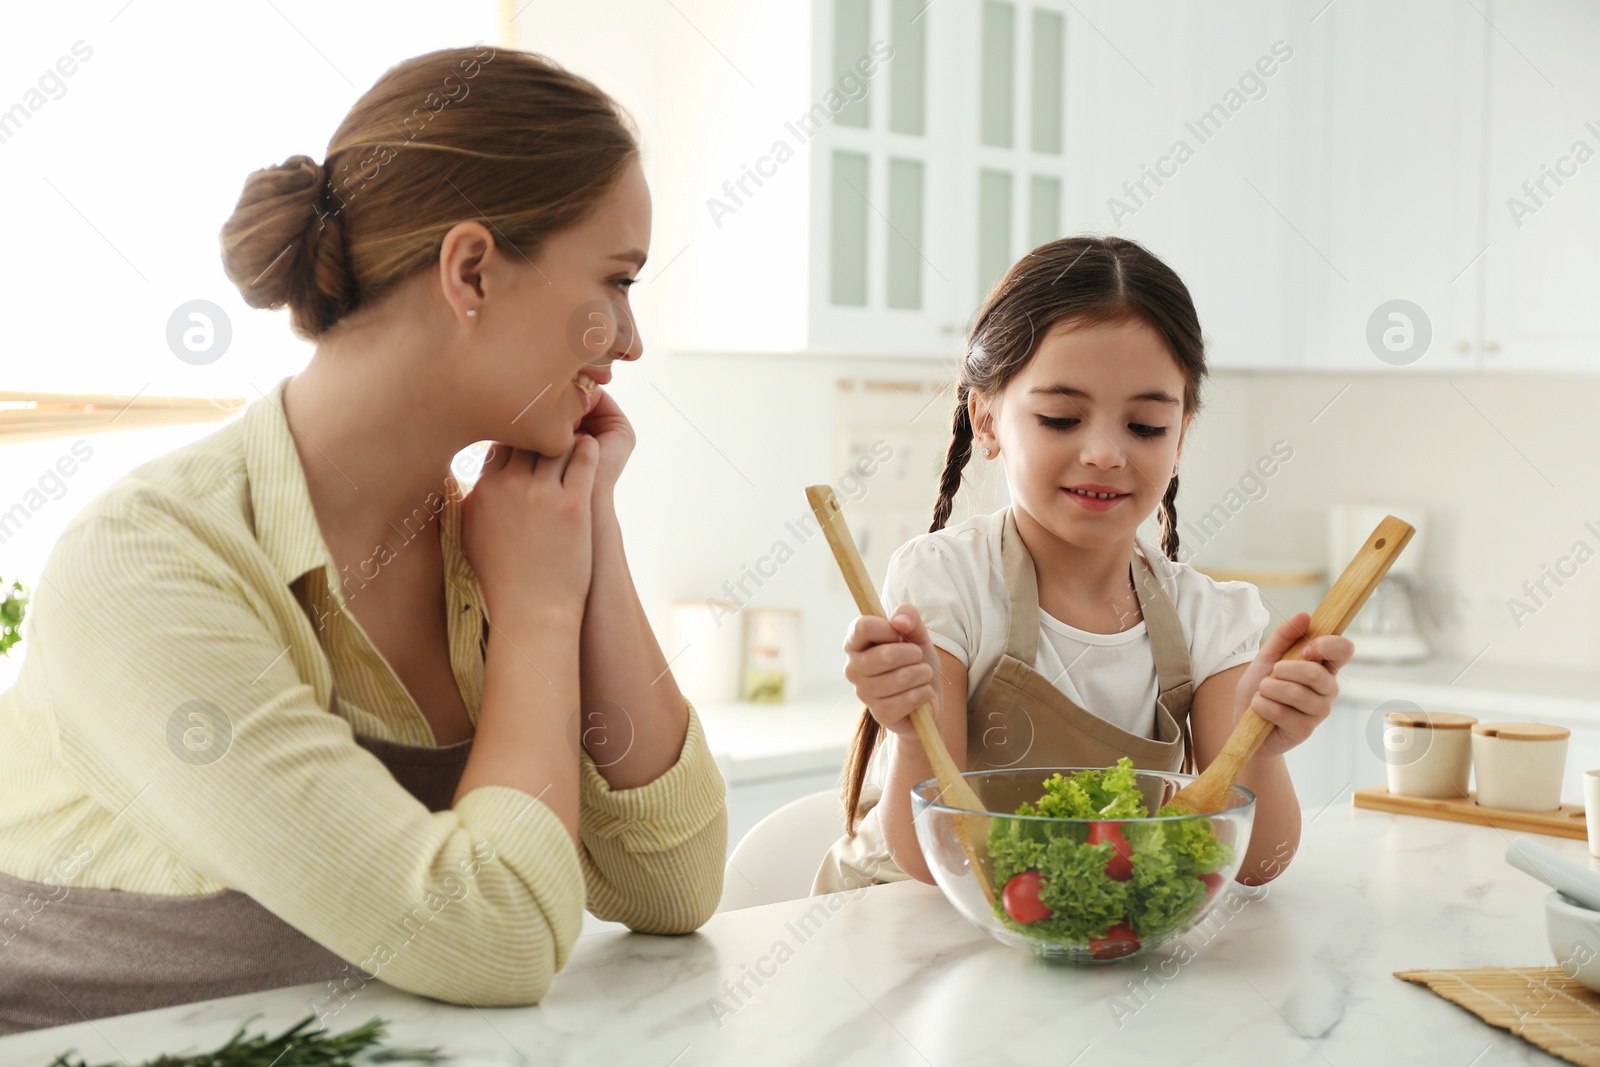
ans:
x=1437 y=720
x=1522 y=731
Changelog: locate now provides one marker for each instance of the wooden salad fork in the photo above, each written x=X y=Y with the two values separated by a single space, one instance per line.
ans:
x=1210 y=791
x=954 y=791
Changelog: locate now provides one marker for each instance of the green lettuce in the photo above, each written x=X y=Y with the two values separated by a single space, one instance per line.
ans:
x=1164 y=891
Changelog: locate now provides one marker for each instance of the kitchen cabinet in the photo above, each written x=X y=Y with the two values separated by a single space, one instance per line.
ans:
x=1542 y=202
x=1403 y=188
x=1392 y=110
x=890 y=161
x=1181 y=140
x=991 y=128
x=1449 y=148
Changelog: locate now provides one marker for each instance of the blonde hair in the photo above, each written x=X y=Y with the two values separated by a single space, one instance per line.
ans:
x=503 y=136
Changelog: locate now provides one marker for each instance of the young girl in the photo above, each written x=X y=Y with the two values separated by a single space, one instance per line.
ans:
x=1049 y=633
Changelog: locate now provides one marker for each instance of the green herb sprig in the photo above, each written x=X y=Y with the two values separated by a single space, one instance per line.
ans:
x=12 y=605
x=295 y=1047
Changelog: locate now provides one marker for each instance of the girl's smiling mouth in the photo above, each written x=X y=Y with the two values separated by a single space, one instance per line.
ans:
x=1095 y=497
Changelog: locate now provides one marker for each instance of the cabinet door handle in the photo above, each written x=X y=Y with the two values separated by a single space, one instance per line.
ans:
x=1463 y=347
x=1492 y=347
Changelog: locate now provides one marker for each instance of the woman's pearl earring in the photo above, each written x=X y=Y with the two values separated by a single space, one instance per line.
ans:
x=987 y=452
x=472 y=313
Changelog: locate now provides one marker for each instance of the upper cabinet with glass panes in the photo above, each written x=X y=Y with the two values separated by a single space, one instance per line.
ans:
x=927 y=191
x=859 y=188
x=852 y=176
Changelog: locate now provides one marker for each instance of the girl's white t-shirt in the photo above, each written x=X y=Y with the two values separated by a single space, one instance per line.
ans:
x=955 y=579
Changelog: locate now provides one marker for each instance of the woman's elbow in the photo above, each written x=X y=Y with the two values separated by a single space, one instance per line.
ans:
x=499 y=960
x=679 y=915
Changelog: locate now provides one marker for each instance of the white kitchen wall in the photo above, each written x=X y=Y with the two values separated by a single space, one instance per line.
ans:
x=727 y=444
x=1504 y=465
x=1475 y=451
x=729 y=441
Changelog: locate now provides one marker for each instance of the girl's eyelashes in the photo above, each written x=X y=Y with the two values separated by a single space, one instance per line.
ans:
x=1063 y=423
x=626 y=283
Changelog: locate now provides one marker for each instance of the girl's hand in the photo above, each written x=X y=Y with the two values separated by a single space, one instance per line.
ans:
x=526 y=532
x=1294 y=695
x=611 y=428
x=894 y=667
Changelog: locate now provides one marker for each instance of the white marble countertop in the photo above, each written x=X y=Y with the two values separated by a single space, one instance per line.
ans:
x=752 y=741
x=1478 y=687
x=1302 y=973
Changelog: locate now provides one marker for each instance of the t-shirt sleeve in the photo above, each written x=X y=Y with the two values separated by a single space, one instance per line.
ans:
x=1228 y=625
x=921 y=573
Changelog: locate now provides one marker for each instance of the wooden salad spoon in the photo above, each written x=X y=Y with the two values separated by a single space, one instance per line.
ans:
x=1210 y=791
x=972 y=830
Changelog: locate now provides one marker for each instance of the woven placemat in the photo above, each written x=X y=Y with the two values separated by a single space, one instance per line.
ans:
x=1541 y=1005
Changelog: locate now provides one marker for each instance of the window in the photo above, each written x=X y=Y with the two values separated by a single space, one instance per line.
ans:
x=127 y=136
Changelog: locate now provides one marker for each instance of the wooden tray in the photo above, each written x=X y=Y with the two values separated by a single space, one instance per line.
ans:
x=1565 y=821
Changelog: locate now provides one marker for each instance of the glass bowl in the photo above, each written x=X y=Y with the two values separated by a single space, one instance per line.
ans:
x=1136 y=885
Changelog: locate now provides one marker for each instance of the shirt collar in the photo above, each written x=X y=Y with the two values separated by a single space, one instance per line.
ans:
x=286 y=523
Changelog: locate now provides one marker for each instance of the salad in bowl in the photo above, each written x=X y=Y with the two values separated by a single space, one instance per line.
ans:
x=1080 y=868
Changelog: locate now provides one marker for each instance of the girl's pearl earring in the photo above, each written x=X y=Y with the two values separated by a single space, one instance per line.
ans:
x=472 y=313
x=987 y=452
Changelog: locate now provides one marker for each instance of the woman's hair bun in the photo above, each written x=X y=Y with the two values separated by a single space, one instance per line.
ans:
x=498 y=136
x=281 y=240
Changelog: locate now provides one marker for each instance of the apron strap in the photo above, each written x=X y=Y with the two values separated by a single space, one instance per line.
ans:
x=1168 y=645
x=1022 y=594
x=1170 y=650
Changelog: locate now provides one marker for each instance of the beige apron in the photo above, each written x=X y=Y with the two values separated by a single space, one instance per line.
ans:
x=1022 y=720
x=89 y=953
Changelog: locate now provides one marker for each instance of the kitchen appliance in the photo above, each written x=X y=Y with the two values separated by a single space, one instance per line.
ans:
x=1385 y=630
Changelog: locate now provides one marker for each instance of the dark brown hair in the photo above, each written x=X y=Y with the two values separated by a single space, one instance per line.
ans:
x=503 y=136
x=1079 y=280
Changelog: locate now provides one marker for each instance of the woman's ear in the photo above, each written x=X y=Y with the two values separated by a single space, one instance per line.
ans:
x=981 y=414
x=466 y=255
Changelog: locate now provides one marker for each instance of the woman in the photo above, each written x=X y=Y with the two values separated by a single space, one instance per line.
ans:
x=295 y=710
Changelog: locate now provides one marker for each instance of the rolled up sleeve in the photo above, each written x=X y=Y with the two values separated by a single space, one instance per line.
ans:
x=179 y=712
x=653 y=856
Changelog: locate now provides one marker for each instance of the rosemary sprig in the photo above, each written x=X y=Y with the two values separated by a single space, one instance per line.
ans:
x=295 y=1047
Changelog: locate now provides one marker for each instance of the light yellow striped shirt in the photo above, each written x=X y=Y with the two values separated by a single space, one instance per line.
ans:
x=196 y=578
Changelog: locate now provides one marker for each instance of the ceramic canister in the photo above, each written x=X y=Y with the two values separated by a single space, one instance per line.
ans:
x=1428 y=753
x=1519 y=764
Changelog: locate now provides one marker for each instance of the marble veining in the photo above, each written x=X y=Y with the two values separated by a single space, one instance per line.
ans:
x=1298 y=971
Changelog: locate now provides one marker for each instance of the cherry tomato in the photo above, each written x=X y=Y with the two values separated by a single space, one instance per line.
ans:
x=1119 y=868
x=1119 y=940
x=1021 y=898
x=1213 y=883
